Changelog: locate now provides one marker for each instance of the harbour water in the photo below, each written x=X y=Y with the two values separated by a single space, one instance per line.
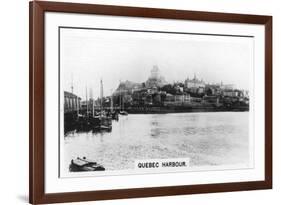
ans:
x=210 y=138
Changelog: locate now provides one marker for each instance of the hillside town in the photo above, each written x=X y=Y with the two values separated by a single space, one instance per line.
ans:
x=191 y=95
x=155 y=92
x=154 y=96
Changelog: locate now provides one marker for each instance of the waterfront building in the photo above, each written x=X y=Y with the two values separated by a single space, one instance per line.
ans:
x=71 y=102
x=245 y=93
x=83 y=104
x=127 y=87
x=138 y=97
x=176 y=100
x=231 y=93
x=194 y=83
x=72 y=106
x=211 y=99
x=179 y=88
x=200 y=90
x=227 y=86
x=213 y=89
x=169 y=98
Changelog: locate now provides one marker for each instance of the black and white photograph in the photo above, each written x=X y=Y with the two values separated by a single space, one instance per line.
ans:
x=146 y=101
x=134 y=102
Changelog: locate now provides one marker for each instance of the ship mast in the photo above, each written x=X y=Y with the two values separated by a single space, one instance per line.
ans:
x=86 y=100
x=101 y=95
x=71 y=83
x=77 y=105
x=120 y=96
x=122 y=101
x=111 y=102
x=76 y=98
x=93 y=101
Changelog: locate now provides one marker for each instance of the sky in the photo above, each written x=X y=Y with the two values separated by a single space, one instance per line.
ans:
x=89 y=55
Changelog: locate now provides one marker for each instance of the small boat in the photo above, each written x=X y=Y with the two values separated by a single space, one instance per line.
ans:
x=123 y=112
x=104 y=116
x=105 y=123
x=115 y=116
x=82 y=164
x=96 y=122
x=83 y=123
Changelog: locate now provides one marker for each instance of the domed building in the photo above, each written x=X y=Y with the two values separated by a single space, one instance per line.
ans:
x=155 y=79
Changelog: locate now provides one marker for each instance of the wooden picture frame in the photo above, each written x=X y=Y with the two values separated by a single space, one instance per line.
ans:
x=37 y=194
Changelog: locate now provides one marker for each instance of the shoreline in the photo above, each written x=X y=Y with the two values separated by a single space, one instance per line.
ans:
x=161 y=110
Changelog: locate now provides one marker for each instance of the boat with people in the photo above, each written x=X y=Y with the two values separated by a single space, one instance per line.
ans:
x=83 y=164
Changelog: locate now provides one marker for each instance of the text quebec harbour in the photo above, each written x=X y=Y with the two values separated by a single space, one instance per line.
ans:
x=162 y=163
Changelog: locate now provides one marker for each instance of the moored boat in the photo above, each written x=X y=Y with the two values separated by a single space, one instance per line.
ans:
x=106 y=123
x=115 y=115
x=95 y=123
x=105 y=116
x=123 y=112
x=82 y=164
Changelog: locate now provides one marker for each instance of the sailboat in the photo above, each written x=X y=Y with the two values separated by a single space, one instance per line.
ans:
x=122 y=111
x=84 y=122
x=114 y=113
x=95 y=120
x=105 y=117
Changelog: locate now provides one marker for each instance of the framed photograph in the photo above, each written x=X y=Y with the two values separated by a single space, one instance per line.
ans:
x=139 y=102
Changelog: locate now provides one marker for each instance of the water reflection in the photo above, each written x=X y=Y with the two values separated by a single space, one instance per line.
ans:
x=206 y=138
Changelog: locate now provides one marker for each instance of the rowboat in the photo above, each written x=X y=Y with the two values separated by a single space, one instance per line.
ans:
x=83 y=164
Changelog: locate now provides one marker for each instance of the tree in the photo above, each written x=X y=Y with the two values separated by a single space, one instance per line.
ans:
x=169 y=89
